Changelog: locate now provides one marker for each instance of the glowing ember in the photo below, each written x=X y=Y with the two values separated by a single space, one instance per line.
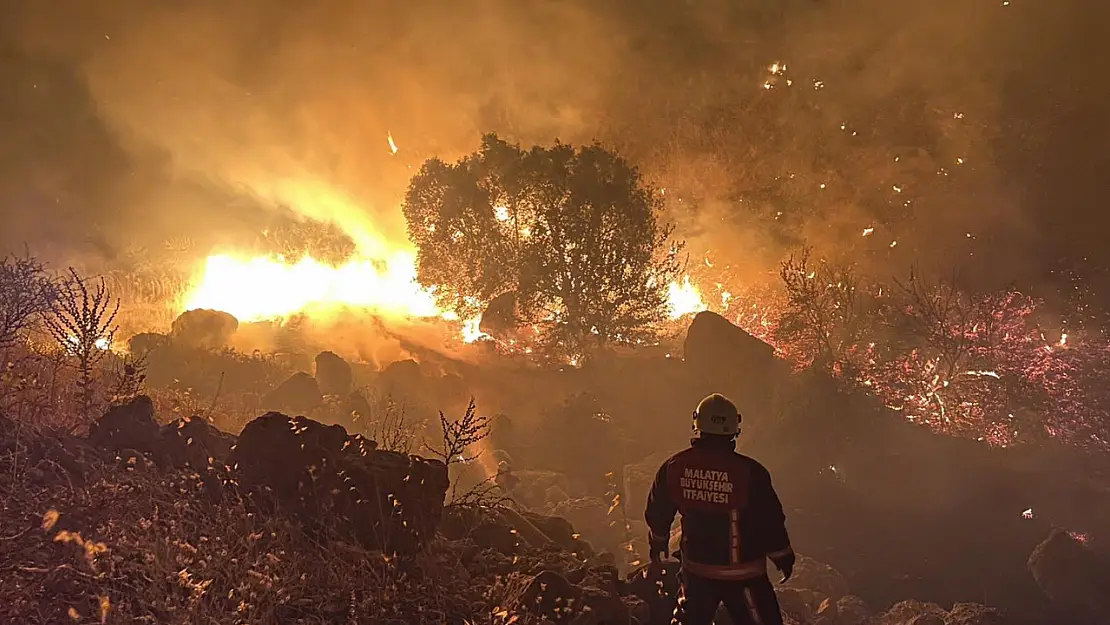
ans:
x=392 y=144
x=263 y=288
x=684 y=299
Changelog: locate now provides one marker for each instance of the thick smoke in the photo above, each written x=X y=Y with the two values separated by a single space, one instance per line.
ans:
x=143 y=121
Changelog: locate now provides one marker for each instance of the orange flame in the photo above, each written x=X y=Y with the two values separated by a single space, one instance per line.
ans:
x=263 y=288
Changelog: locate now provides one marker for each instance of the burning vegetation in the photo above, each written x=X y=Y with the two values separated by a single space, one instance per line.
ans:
x=362 y=312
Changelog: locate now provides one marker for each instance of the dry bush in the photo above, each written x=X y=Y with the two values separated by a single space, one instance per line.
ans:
x=388 y=422
x=823 y=307
x=26 y=293
x=127 y=378
x=129 y=544
x=460 y=437
x=40 y=389
x=82 y=323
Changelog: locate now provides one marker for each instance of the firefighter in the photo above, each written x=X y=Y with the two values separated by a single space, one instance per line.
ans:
x=732 y=524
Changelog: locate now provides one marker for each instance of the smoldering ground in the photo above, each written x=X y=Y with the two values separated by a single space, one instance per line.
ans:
x=128 y=121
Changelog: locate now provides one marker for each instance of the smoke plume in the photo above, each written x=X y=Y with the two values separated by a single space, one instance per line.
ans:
x=138 y=121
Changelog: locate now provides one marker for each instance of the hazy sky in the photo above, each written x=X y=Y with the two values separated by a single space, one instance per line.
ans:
x=128 y=121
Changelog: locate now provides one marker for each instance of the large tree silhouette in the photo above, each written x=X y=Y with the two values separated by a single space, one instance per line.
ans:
x=572 y=234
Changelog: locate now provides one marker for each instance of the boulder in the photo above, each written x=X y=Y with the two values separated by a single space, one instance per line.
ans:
x=333 y=375
x=403 y=378
x=205 y=329
x=497 y=536
x=299 y=394
x=715 y=344
x=195 y=443
x=1075 y=577
x=147 y=342
x=127 y=426
x=386 y=500
x=561 y=532
x=131 y=429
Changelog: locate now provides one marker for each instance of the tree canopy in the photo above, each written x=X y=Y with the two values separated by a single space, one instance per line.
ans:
x=573 y=234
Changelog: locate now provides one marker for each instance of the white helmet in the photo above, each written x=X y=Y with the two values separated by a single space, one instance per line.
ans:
x=717 y=415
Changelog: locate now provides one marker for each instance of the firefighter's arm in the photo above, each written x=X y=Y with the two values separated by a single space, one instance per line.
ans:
x=773 y=522
x=659 y=514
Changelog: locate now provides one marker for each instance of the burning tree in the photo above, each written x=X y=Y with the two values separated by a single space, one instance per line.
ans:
x=81 y=321
x=822 y=313
x=573 y=234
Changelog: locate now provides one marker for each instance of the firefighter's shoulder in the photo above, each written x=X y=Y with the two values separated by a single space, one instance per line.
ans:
x=676 y=457
x=755 y=467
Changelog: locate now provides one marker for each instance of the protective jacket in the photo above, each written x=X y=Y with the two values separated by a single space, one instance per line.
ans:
x=732 y=519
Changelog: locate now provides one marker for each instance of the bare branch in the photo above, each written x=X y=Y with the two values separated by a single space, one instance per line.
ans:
x=25 y=295
x=82 y=323
x=823 y=307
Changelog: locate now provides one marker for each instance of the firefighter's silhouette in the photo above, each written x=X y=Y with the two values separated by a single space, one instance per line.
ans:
x=732 y=523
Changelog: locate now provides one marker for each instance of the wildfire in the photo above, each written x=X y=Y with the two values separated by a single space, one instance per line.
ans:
x=265 y=288
x=683 y=298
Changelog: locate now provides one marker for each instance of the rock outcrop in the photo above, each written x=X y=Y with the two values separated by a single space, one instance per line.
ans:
x=129 y=426
x=204 y=329
x=389 y=501
x=299 y=394
x=333 y=374
x=1075 y=577
x=716 y=347
x=190 y=442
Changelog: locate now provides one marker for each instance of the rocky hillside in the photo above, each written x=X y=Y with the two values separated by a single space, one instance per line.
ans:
x=298 y=522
